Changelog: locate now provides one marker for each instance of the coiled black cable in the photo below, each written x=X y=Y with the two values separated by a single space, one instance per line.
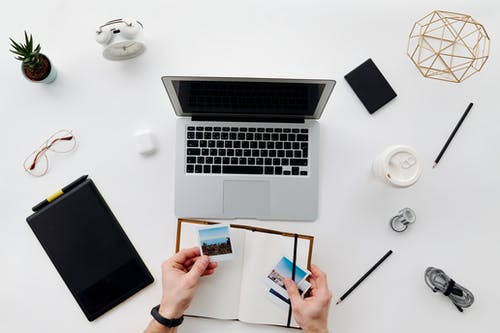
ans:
x=437 y=280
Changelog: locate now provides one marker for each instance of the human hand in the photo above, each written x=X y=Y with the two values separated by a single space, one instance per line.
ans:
x=180 y=276
x=311 y=313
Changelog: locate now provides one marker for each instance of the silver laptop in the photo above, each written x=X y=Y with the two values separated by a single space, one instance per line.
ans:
x=247 y=147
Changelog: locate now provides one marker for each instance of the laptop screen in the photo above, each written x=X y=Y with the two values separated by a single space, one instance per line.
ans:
x=280 y=98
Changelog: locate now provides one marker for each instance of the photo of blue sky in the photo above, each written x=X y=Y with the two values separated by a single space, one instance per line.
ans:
x=284 y=267
x=213 y=241
x=218 y=233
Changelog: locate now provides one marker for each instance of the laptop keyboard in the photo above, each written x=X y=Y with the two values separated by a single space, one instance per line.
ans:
x=277 y=151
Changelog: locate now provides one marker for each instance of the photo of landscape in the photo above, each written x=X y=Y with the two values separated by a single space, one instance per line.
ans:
x=284 y=269
x=215 y=241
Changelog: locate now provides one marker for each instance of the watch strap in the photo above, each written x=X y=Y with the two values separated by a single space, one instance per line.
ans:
x=164 y=321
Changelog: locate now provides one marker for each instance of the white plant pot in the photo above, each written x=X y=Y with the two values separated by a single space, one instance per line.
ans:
x=50 y=78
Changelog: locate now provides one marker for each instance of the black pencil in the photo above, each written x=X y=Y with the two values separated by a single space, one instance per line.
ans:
x=452 y=135
x=364 y=276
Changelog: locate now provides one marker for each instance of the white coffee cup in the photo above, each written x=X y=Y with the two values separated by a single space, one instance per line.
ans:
x=398 y=166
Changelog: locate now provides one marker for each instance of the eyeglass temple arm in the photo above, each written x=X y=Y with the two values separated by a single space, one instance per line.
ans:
x=44 y=149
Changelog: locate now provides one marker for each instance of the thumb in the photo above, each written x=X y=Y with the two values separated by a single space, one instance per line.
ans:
x=198 y=269
x=293 y=292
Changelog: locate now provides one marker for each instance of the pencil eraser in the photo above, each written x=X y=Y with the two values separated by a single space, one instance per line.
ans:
x=144 y=142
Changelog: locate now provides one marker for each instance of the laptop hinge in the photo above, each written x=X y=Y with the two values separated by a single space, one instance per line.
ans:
x=249 y=119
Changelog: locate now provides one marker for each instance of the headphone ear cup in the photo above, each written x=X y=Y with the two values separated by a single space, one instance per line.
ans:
x=103 y=37
x=130 y=30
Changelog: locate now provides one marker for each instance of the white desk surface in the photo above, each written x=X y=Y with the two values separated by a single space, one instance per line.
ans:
x=457 y=226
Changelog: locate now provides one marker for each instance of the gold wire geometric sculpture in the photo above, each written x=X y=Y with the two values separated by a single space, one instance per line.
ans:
x=448 y=46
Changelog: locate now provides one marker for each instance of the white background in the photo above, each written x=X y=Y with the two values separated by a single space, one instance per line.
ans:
x=104 y=102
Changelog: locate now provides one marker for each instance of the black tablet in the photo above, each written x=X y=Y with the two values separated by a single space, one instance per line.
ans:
x=90 y=250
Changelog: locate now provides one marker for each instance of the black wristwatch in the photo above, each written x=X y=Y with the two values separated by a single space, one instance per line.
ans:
x=164 y=321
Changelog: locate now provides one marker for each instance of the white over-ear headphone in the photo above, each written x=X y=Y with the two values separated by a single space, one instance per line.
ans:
x=125 y=27
x=121 y=39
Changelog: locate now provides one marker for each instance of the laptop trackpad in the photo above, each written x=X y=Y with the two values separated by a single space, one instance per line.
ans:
x=246 y=198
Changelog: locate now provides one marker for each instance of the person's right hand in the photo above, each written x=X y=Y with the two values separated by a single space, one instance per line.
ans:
x=311 y=313
x=180 y=276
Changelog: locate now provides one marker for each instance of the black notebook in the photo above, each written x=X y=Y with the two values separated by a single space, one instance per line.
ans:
x=89 y=249
x=370 y=86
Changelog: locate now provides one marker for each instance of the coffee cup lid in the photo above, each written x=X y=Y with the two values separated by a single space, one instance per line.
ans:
x=402 y=166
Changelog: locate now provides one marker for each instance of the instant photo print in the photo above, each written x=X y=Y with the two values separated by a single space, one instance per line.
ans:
x=215 y=242
x=276 y=281
x=283 y=269
x=238 y=288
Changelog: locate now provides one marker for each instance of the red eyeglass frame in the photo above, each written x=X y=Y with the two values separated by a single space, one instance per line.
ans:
x=47 y=147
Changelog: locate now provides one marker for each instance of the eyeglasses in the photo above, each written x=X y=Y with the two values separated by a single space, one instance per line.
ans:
x=37 y=163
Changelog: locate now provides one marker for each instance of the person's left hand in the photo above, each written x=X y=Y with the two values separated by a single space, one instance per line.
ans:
x=180 y=276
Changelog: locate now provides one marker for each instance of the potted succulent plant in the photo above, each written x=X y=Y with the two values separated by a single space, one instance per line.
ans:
x=35 y=65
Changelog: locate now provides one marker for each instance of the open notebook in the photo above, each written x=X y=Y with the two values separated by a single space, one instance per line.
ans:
x=237 y=290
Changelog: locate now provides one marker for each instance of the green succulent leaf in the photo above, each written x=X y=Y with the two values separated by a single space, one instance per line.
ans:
x=16 y=46
x=25 y=52
x=27 y=40
x=13 y=42
x=30 y=44
x=17 y=52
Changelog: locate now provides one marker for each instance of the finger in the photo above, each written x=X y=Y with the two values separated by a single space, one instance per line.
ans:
x=316 y=272
x=179 y=267
x=198 y=269
x=171 y=264
x=210 y=268
x=208 y=272
x=293 y=292
x=186 y=254
x=322 y=290
x=313 y=282
x=189 y=264
x=319 y=277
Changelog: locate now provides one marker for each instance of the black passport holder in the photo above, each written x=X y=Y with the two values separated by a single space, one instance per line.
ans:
x=370 y=86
